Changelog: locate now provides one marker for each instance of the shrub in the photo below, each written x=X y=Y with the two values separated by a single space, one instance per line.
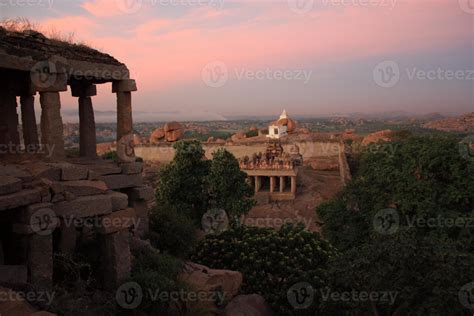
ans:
x=272 y=261
x=172 y=232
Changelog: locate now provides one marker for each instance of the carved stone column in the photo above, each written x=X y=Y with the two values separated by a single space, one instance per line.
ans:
x=257 y=184
x=272 y=184
x=87 y=131
x=124 y=89
x=8 y=119
x=282 y=184
x=293 y=185
x=52 y=137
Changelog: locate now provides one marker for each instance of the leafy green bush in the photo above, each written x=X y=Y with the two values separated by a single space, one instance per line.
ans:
x=272 y=261
x=172 y=232
x=155 y=273
x=420 y=178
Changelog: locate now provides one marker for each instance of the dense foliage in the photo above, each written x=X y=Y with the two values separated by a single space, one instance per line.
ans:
x=181 y=184
x=191 y=185
x=272 y=261
x=423 y=186
x=228 y=188
x=172 y=232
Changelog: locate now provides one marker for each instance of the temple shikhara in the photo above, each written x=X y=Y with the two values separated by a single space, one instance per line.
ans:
x=45 y=198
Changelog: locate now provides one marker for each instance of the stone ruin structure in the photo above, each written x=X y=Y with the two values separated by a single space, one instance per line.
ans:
x=50 y=203
x=276 y=166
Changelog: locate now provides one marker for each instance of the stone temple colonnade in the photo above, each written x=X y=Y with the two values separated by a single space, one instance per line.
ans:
x=278 y=184
x=49 y=87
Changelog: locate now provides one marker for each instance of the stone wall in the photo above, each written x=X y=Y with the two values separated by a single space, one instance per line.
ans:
x=308 y=149
x=48 y=207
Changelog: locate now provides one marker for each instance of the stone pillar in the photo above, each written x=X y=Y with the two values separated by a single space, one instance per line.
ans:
x=8 y=119
x=28 y=120
x=257 y=184
x=87 y=131
x=116 y=261
x=293 y=185
x=123 y=89
x=52 y=137
x=40 y=259
x=272 y=184
x=67 y=236
x=282 y=184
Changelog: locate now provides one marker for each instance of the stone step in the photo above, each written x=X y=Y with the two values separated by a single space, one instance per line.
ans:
x=9 y=185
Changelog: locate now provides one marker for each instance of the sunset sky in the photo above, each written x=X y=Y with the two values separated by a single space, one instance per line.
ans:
x=212 y=58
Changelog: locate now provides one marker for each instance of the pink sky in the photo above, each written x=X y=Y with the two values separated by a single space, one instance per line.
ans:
x=166 y=47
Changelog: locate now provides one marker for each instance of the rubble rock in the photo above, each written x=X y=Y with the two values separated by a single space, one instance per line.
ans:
x=248 y=305
x=205 y=279
x=122 y=181
x=119 y=200
x=20 y=198
x=117 y=221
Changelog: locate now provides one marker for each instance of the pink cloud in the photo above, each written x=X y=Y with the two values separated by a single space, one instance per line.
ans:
x=163 y=53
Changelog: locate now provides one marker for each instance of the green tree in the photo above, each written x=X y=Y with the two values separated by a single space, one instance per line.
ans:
x=181 y=184
x=228 y=188
x=420 y=179
x=272 y=262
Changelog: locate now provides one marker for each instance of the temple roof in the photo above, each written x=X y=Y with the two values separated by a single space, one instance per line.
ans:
x=24 y=50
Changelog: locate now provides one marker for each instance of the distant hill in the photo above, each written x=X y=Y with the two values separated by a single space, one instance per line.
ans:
x=463 y=123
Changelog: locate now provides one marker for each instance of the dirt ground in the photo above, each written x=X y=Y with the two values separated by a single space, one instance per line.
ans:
x=313 y=188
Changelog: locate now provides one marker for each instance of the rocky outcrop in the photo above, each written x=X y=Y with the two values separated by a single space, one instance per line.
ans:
x=464 y=123
x=157 y=135
x=173 y=131
x=248 y=305
x=204 y=279
x=385 y=136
